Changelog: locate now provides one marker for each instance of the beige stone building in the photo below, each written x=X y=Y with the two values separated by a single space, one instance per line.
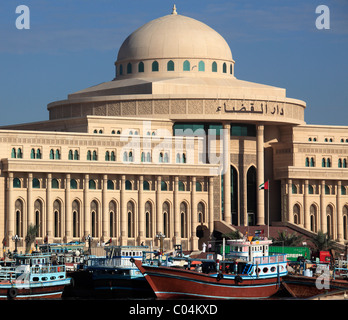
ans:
x=176 y=145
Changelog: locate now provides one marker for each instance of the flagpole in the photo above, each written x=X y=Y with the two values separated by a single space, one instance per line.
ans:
x=268 y=209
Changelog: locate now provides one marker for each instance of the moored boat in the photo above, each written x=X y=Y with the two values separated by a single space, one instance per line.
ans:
x=32 y=276
x=115 y=276
x=248 y=272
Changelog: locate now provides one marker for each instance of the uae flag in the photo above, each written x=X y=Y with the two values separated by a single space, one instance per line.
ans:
x=263 y=186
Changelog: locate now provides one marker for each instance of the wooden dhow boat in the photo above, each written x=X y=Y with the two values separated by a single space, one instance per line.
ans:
x=32 y=276
x=247 y=272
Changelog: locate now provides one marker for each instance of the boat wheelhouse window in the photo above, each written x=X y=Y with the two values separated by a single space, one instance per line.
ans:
x=36 y=279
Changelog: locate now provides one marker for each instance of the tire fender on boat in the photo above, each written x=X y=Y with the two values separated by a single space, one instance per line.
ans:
x=219 y=276
x=238 y=279
x=131 y=260
x=12 y=293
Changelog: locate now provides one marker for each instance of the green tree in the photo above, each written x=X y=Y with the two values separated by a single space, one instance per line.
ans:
x=322 y=241
x=288 y=239
x=233 y=235
x=30 y=237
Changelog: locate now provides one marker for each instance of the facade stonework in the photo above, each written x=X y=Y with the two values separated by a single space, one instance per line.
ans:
x=174 y=145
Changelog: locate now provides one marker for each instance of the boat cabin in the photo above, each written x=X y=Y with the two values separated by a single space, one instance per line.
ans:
x=247 y=249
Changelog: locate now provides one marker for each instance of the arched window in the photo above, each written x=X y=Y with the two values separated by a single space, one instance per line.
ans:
x=13 y=153
x=113 y=219
x=201 y=212
x=129 y=68
x=148 y=157
x=113 y=156
x=183 y=221
x=201 y=66
x=55 y=184
x=130 y=156
x=38 y=217
x=164 y=186
x=89 y=155
x=94 y=219
x=328 y=162
x=214 y=67
x=146 y=186
x=57 y=218
x=155 y=66
x=111 y=185
x=323 y=162
x=224 y=68
x=181 y=186
x=92 y=185
x=312 y=162
x=170 y=66
x=294 y=189
x=130 y=216
x=344 y=163
x=307 y=162
x=36 y=183
x=340 y=163
x=73 y=184
x=95 y=157
x=38 y=154
x=166 y=158
x=128 y=185
x=19 y=217
x=231 y=69
x=32 y=154
x=76 y=218
x=296 y=214
x=107 y=156
x=125 y=157
x=17 y=183
x=57 y=154
x=19 y=153
x=76 y=155
x=251 y=195
x=186 y=66
x=143 y=157
x=345 y=222
x=329 y=215
x=70 y=155
x=327 y=189
x=121 y=69
x=148 y=219
x=165 y=210
x=141 y=66
x=310 y=189
x=313 y=217
x=178 y=158
x=160 y=157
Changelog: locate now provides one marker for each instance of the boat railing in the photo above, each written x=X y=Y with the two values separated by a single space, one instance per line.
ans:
x=277 y=258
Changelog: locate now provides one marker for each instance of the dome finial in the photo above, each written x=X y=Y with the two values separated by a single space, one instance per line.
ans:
x=174 y=10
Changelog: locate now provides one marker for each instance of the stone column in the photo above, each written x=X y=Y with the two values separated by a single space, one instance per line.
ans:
x=339 y=212
x=123 y=236
x=211 y=204
x=105 y=213
x=86 y=210
x=290 y=213
x=30 y=204
x=159 y=215
x=322 y=207
x=10 y=209
x=49 y=209
x=141 y=211
x=260 y=176
x=227 y=173
x=194 y=238
x=307 y=220
x=176 y=238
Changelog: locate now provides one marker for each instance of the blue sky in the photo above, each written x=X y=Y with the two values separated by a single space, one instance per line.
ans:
x=73 y=44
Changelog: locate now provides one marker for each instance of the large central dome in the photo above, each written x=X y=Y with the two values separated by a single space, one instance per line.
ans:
x=177 y=39
x=174 y=36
